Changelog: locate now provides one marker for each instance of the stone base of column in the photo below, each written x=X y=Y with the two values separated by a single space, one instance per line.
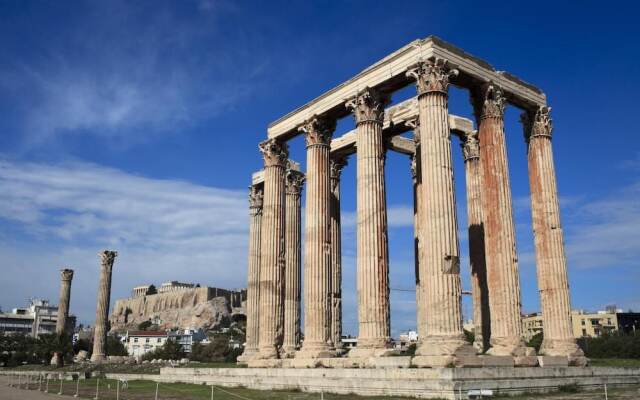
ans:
x=98 y=358
x=288 y=352
x=437 y=351
x=564 y=348
x=372 y=352
x=315 y=350
x=478 y=343
x=267 y=353
x=247 y=355
x=510 y=347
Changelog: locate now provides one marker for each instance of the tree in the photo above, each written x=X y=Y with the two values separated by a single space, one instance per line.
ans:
x=536 y=341
x=170 y=350
x=114 y=347
x=143 y=326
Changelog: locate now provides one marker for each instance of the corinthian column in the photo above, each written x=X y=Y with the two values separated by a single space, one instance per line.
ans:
x=416 y=174
x=102 y=310
x=336 y=253
x=440 y=289
x=317 y=257
x=294 y=181
x=272 y=249
x=479 y=289
x=373 y=248
x=253 y=278
x=66 y=275
x=499 y=233
x=550 y=257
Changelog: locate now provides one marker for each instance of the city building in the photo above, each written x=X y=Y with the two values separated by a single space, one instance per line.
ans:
x=588 y=324
x=38 y=318
x=186 y=338
x=139 y=343
x=406 y=339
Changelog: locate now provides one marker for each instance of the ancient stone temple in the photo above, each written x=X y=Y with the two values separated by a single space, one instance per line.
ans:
x=107 y=258
x=275 y=264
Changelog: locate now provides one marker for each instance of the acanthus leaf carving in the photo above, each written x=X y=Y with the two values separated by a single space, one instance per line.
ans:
x=432 y=75
x=471 y=146
x=66 y=274
x=107 y=257
x=255 y=198
x=294 y=181
x=274 y=153
x=489 y=102
x=540 y=125
x=368 y=106
x=318 y=131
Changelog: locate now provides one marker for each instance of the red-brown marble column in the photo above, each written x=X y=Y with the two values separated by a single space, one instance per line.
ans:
x=372 y=248
x=253 y=276
x=272 y=249
x=317 y=255
x=551 y=262
x=336 y=253
x=444 y=342
x=102 y=309
x=294 y=182
x=499 y=233
x=479 y=289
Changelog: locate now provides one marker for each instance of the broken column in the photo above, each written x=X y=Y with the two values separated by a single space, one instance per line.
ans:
x=294 y=182
x=317 y=255
x=444 y=342
x=499 y=233
x=66 y=276
x=372 y=248
x=479 y=288
x=337 y=164
x=107 y=258
x=551 y=262
x=272 y=250
x=253 y=279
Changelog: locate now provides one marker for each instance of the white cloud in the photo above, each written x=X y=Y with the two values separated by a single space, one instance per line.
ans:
x=63 y=214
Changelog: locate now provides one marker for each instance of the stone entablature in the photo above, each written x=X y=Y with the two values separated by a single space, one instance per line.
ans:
x=175 y=286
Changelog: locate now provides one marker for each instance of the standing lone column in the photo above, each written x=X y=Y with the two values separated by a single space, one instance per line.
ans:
x=550 y=257
x=272 y=249
x=317 y=255
x=253 y=280
x=336 y=253
x=66 y=276
x=500 y=244
x=416 y=174
x=440 y=287
x=373 y=248
x=479 y=289
x=294 y=181
x=102 y=310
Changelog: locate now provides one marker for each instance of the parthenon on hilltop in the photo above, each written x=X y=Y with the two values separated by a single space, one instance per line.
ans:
x=275 y=262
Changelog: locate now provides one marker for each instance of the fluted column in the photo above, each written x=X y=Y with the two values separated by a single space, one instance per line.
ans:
x=479 y=288
x=102 y=310
x=317 y=254
x=416 y=175
x=272 y=249
x=443 y=342
x=294 y=182
x=372 y=249
x=253 y=275
x=66 y=276
x=551 y=262
x=499 y=232
x=337 y=165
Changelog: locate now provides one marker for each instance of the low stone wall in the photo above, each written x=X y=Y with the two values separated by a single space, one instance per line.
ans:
x=419 y=383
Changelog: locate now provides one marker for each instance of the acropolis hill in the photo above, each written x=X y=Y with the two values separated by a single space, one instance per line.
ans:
x=177 y=305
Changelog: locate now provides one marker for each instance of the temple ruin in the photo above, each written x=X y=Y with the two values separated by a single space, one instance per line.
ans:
x=275 y=261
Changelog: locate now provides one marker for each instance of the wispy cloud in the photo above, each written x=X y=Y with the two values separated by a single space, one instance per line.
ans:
x=163 y=229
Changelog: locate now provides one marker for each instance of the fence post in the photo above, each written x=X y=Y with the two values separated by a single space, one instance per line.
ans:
x=60 y=377
x=46 y=389
x=118 y=389
x=77 y=387
x=157 y=384
x=211 y=392
x=39 y=382
x=606 y=397
x=97 y=388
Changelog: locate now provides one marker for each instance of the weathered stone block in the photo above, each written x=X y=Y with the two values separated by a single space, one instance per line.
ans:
x=497 y=361
x=553 y=361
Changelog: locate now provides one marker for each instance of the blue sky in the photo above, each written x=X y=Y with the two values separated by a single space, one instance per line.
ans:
x=134 y=126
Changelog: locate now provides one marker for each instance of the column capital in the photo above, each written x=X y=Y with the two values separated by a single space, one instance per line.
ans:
x=368 y=106
x=256 y=196
x=107 y=257
x=66 y=274
x=538 y=123
x=488 y=101
x=318 y=131
x=432 y=75
x=275 y=153
x=470 y=146
x=294 y=181
x=337 y=164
